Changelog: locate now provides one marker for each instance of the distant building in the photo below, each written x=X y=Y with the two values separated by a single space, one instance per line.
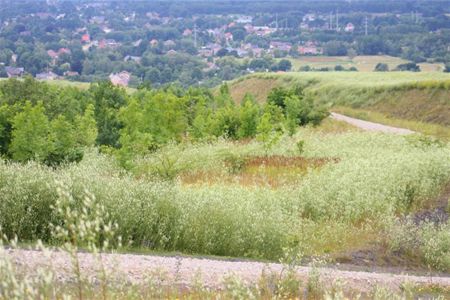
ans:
x=137 y=43
x=169 y=44
x=242 y=52
x=283 y=46
x=210 y=67
x=120 y=79
x=263 y=30
x=349 y=28
x=53 y=54
x=309 y=17
x=71 y=73
x=44 y=15
x=187 y=32
x=13 y=72
x=171 y=52
x=228 y=36
x=244 y=20
x=154 y=43
x=108 y=43
x=86 y=38
x=249 y=28
x=205 y=52
x=310 y=48
x=64 y=51
x=47 y=76
x=97 y=20
x=152 y=15
x=106 y=29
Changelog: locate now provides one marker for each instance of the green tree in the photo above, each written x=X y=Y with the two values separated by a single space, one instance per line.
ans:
x=30 y=135
x=200 y=126
x=134 y=141
x=292 y=110
x=266 y=133
x=108 y=99
x=339 y=68
x=277 y=96
x=62 y=139
x=5 y=128
x=284 y=65
x=86 y=126
x=335 y=48
x=225 y=121
x=248 y=119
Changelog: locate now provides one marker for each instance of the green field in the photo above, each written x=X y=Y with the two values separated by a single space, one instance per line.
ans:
x=362 y=63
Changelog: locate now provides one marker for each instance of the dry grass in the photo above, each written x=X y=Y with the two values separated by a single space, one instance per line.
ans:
x=332 y=127
x=272 y=171
x=259 y=88
x=427 y=106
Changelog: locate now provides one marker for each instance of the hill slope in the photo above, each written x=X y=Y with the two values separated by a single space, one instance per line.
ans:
x=418 y=101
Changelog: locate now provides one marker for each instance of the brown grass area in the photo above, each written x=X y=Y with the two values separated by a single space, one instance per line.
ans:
x=272 y=171
x=431 y=106
x=258 y=87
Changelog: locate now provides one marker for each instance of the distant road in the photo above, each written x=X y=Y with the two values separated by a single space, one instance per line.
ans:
x=370 y=126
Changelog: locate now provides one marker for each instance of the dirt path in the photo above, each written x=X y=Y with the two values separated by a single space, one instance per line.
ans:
x=370 y=126
x=184 y=270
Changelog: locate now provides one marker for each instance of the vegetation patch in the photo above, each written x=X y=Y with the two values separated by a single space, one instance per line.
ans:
x=273 y=171
x=401 y=96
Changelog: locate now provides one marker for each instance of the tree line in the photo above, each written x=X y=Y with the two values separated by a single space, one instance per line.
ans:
x=54 y=125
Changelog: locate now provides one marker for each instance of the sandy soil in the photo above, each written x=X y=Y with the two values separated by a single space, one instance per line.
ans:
x=184 y=270
x=370 y=126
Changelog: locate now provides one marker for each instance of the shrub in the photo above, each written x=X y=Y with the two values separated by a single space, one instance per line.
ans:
x=381 y=67
x=427 y=240
x=413 y=67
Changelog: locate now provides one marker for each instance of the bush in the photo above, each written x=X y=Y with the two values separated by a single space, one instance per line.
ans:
x=305 y=68
x=413 y=67
x=427 y=240
x=447 y=68
x=381 y=67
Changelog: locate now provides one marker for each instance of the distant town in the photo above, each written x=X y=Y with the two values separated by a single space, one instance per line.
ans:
x=97 y=41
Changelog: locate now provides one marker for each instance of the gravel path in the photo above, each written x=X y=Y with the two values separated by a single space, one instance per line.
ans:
x=184 y=270
x=370 y=126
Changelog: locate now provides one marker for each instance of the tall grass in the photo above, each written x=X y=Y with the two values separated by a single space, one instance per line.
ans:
x=376 y=178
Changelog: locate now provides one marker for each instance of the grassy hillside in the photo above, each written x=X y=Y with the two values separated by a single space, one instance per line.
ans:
x=423 y=99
